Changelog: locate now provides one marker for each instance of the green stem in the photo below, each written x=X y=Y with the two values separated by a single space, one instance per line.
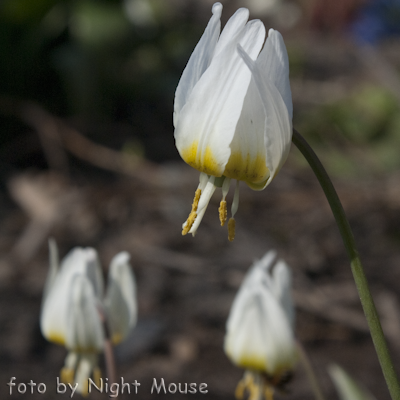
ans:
x=356 y=266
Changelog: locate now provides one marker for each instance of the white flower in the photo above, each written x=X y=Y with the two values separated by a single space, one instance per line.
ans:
x=75 y=311
x=233 y=110
x=260 y=335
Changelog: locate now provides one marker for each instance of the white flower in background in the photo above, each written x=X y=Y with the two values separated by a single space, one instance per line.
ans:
x=346 y=386
x=233 y=111
x=259 y=334
x=75 y=311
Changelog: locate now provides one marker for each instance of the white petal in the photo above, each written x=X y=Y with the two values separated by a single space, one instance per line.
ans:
x=120 y=302
x=198 y=61
x=267 y=261
x=232 y=29
x=208 y=120
x=259 y=271
x=84 y=327
x=247 y=161
x=94 y=272
x=53 y=318
x=259 y=335
x=274 y=60
x=282 y=281
x=53 y=269
x=278 y=125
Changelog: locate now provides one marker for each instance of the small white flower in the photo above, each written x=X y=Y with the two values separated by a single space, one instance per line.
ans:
x=259 y=334
x=233 y=110
x=75 y=311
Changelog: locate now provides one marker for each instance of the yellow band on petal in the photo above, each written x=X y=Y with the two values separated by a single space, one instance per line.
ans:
x=206 y=162
x=57 y=338
x=281 y=372
x=247 y=168
x=252 y=362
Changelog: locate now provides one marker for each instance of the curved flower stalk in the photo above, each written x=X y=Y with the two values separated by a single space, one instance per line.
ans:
x=75 y=313
x=233 y=111
x=259 y=331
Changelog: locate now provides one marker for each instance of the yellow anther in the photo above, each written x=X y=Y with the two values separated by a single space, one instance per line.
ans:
x=223 y=212
x=239 y=391
x=85 y=388
x=97 y=376
x=189 y=223
x=268 y=392
x=67 y=375
x=193 y=213
x=245 y=383
x=231 y=229
x=248 y=384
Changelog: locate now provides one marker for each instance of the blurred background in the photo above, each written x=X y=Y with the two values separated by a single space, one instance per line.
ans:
x=87 y=156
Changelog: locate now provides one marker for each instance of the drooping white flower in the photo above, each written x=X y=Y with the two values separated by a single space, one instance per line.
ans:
x=233 y=110
x=259 y=331
x=75 y=312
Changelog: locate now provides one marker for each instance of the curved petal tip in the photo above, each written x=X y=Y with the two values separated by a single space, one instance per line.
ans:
x=217 y=8
x=121 y=258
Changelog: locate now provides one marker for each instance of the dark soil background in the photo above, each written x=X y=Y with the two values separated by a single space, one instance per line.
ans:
x=100 y=169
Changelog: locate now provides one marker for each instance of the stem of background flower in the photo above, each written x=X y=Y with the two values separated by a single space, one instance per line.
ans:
x=356 y=267
x=110 y=361
x=312 y=378
x=109 y=358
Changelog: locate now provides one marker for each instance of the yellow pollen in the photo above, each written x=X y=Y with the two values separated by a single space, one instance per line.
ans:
x=67 y=375
x=223 y=212
x=193 y=213
x=231 y=229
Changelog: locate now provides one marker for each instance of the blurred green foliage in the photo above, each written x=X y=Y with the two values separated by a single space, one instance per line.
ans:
x=104 y=60
x=358 y=133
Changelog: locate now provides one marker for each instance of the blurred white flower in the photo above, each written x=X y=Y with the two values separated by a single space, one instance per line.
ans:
x=346 y=386
x=233 y=111
x=260 y=335
x=75 y=313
